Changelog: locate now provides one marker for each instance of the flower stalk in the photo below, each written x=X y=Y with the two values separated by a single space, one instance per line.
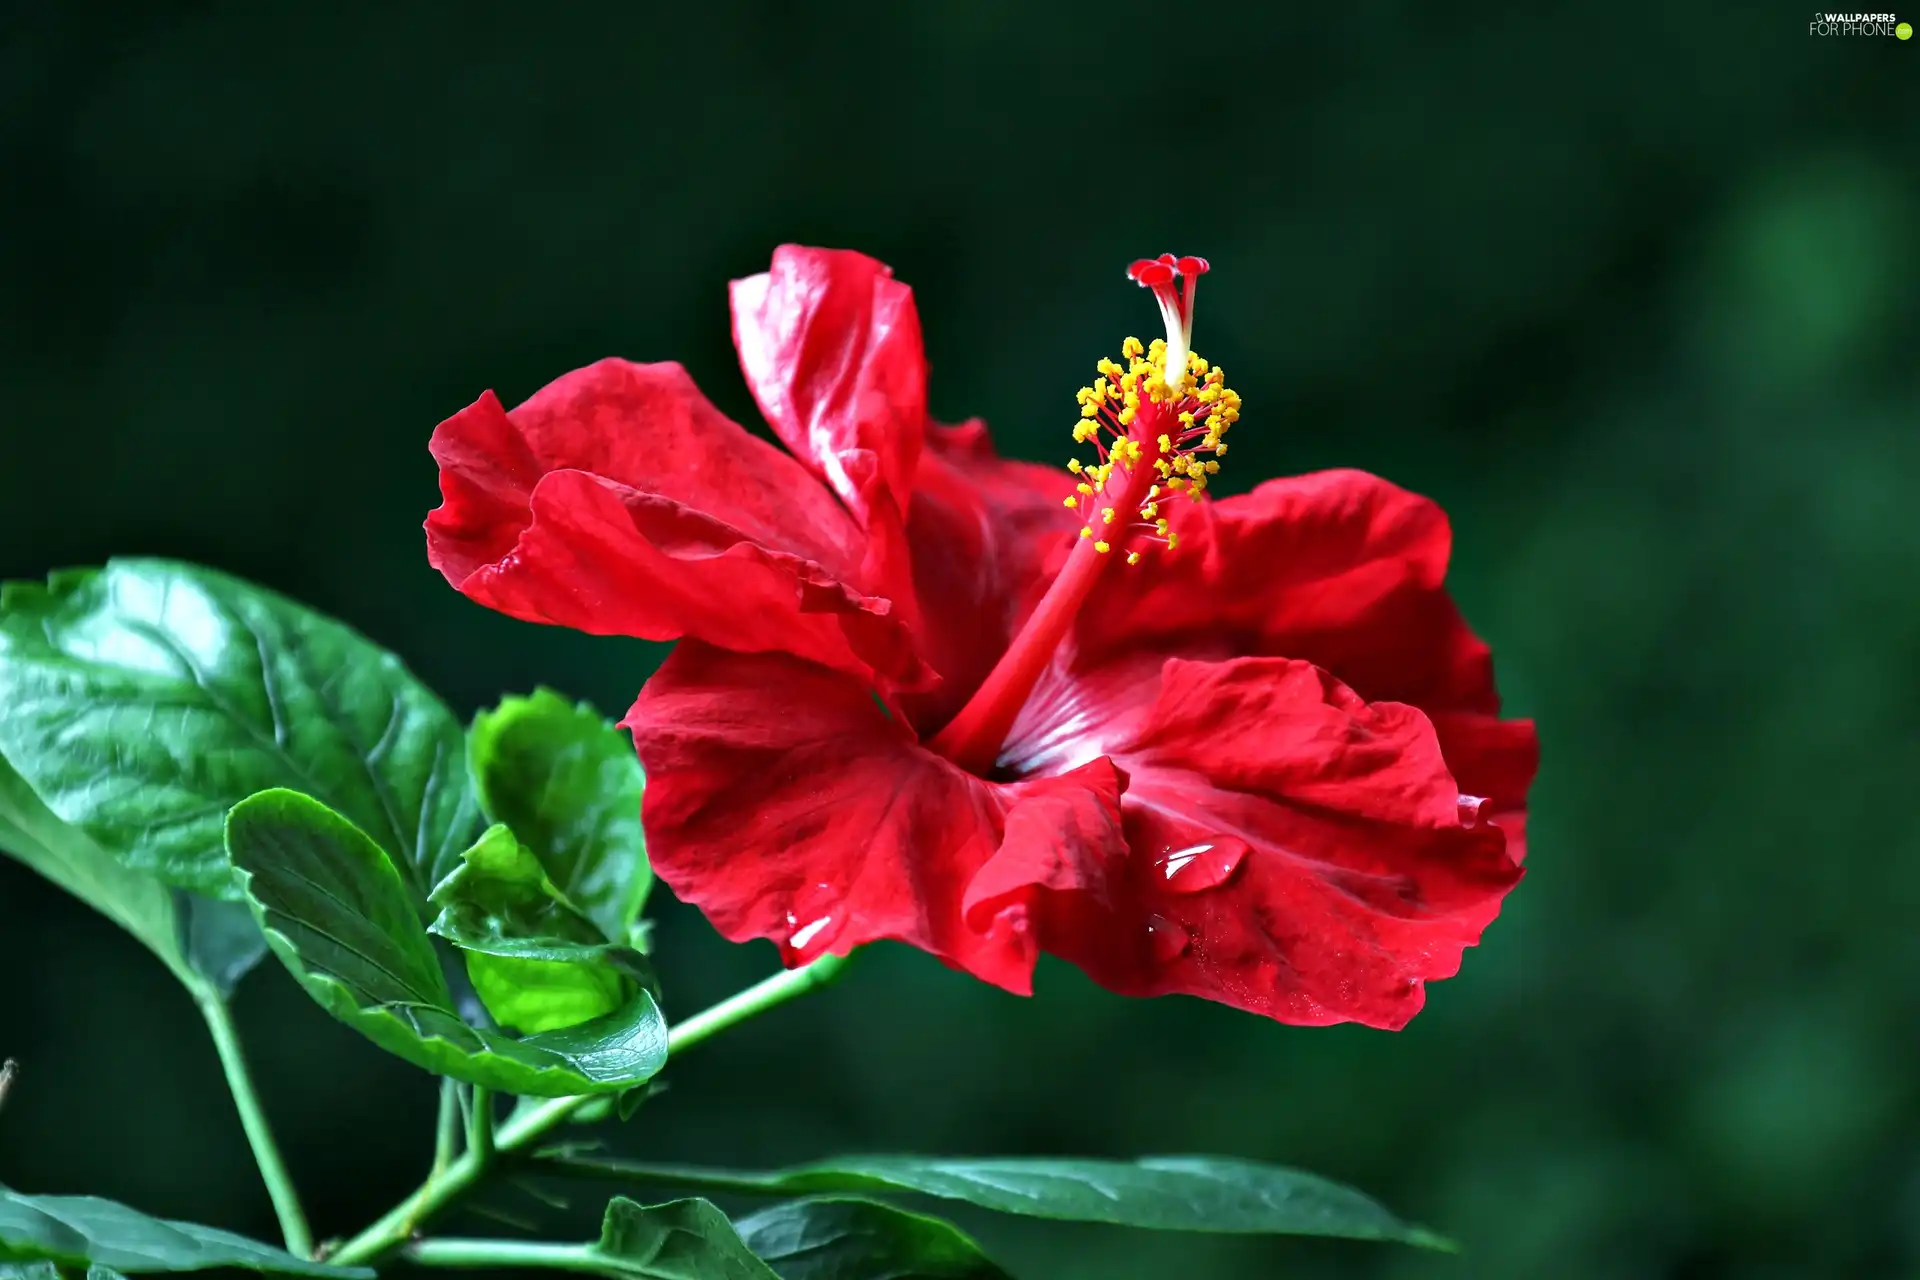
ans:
x=253 y=1119
x=485 y=1145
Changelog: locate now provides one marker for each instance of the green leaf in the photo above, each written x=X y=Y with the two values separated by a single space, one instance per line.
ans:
x=681 y=1240
x=535 y=960
x=208 y=945
x=1161 y=1193
x=336 y=912
x=853 y=1239
x=73 y=1231
x=569 y=784
x=145 y=699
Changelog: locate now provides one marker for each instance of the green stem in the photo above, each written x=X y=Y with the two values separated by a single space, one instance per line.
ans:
x=253 y=1119
x=504 y=1253
x=446 y=1132
x=480 y=1124
x=528 y=1126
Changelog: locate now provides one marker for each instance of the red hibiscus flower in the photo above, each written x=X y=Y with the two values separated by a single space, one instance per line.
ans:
x=1242 y=749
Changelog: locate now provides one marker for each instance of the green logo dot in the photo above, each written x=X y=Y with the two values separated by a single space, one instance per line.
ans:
x=1904 y=31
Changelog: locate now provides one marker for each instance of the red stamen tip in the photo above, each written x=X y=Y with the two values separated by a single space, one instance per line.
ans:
x=1154 y=272
x=1149 y=273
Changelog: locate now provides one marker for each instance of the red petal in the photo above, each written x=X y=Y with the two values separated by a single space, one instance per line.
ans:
x=980 y=527
x=1338 y=567
x=780 y=796
x=1282 y=727
x=617 y=500
x=830 y=345
x=1495 y=759
x=1360 y=883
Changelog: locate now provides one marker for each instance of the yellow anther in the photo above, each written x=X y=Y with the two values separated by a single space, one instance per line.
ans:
x=1149 y=511
x=1084 y=487
x=1073 y=465
x=1173 y=540
x=1213 y=468
x=1133 y=557
x=1103 y=547
x=1219 y=449
x=1166 y=443
x=1106 y=515
x=1160 y=526
x=1072 y=501
x=1130 y=348
x=1085 y=532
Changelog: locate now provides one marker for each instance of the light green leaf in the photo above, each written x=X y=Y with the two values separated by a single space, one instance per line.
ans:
x=682 y=1240
x=336 y=912
x=208 y=945
x=535 y=960
x=145 y=699
x=74 y=1231
x=1161 y=1193
x=569 y=785
x=853 y=1239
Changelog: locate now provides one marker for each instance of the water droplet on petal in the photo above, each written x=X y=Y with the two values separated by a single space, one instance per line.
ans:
x=1200 y=867
x=807 y=933
x=1470 y=810
x=1167 y=940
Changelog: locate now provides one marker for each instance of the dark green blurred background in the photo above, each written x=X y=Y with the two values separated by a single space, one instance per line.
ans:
x=1632 y=291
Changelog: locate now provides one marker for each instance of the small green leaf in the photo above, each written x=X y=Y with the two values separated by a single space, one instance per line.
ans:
x=1161 y=1193
x=535 y=960
x=145 y=699
x=853 y=1239
x=73 y=1231
x=569 y=785
x=35 y=1271
x=681 y=1240
x=208 y=945
x=336 y=912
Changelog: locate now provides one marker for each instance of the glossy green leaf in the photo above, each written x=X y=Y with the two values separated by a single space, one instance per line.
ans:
x=853 y=1239
x=32 y=1271
x=682 y=1240
x=569 y=785
x=1161 y=1193
x=208 y=945
x=534 y=959
x=336 y=912
x=73 y=1231
x=145 y=699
